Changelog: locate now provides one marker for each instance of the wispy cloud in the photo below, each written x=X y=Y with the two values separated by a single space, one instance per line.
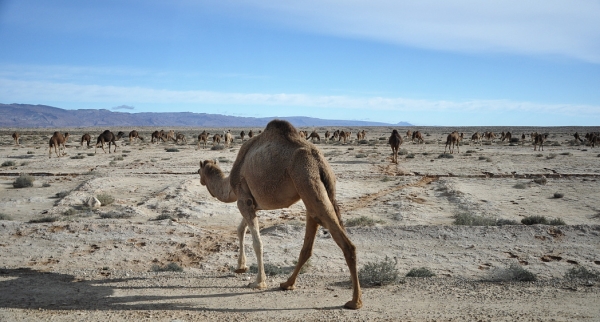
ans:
x=26 y=91
x=536 y=27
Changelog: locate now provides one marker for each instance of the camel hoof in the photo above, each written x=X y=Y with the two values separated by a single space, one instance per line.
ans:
x=353 y=305
x=241 y=270
x=287 y=286
x=258 y=286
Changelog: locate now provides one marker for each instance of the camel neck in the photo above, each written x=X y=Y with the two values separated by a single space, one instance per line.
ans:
x=218 y=186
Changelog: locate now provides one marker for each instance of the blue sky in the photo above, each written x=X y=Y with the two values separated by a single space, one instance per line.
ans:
x=431 y=62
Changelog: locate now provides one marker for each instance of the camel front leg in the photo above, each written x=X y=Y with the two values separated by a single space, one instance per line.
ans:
x=305 y=253
x=261 y=278
x=241 y=232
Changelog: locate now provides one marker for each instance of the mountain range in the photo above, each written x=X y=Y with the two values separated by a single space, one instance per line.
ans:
x=43 y=116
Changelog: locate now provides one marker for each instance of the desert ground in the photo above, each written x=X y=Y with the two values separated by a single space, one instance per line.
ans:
x=64 y=261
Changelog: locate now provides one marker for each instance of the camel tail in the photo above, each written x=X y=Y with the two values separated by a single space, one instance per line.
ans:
x=329 y=183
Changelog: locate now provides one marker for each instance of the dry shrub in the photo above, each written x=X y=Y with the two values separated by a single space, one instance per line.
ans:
x=361 y=221
x=105 y=199
x=514 y=273
x=420 y=272
x=582 y=273
x=8 y=163
x=378 y=273
x=23 y=181
x=171 y=267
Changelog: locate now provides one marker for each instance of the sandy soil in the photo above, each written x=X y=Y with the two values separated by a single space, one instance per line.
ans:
x=98 y=264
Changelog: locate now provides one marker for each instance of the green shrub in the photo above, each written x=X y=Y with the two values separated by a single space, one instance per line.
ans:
x=420 y=272
x=581 y=272
x=23 y=181
x=361 y=222
x=378 y=273
x=8 y=163
x=171 y=267
x=105 y=199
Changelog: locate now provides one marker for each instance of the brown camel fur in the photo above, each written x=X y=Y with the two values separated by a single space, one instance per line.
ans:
x=86 y=138
x=242 y=135
x=361 y=135
x=395 y=141
x=336 y=135
x=408 y=134
x=157 y=136
x=57 y=140
x=490 y=136
x=228 y=138
x=170 y=136
x=327 y=136
x=302 y=134
x=16 y=137
x=134 y=135
x=452 y=140
x=539 y=140
x=577 y=137
x=274 y=171
x=314 y=135
x=216 y=139
x=417 y=136
x=476 y=138
x=593 y=138
x=250 y=134
x=180 y=137
x=506 y=136
x=107 y=136
x=202 y=137
x=344 y=135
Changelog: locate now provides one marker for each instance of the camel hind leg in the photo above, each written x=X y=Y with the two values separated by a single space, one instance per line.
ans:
x=241 y=232
x=309 y=240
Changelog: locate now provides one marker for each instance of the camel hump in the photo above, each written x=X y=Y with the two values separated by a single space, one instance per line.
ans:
x=282 y=127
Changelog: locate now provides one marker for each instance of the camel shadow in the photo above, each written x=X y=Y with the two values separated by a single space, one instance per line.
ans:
x=25 y=288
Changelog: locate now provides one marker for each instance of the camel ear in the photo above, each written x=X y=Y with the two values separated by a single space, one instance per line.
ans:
x=201 y=165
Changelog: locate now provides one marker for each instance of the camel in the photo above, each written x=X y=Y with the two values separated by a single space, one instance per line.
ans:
x=180 y=137
x=242 y=134
x=490 y=136
x=539 y=140
x=57 y=140
x=202 y=137
x=476 y=137
x=395 y=141
x=506 y=136
x=327 y=136
x=216 y=139
x=107 y=136
x=593 y=138
x=416 y=135
x=250 y=134
x=361 y=135
x=523 y=137
x=452 y=140
x=344 y=135
x=577 y=137
x=314 y=135
x=228 y=138
x=157 y=136
x=133 y=136
x=408 y=134
x=16 y=137
x=302 y=134
x=86 y=138
x=274 y=171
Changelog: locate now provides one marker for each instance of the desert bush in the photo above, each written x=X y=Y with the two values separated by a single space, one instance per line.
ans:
x=445 y=156
x=520 y=185
x=171 y=267
x=79 y=156
x=540 y=180
x=514 y=273
x=112 y=163
x=539 y=155
x=363 y=142
x=118 y=158
x=8 y=163
x=514 y=140
x=270 y=269
x=410 y=156
x=43 y=220
x=471 y=151
x=105 y=199
x=555 y=144
x=126 y=151
x=361 y=155
x=482 y=157
x=218 y=147
x=70 y=212
x=581 y=272
x=115 y=215
x=350 y=149
x=402 y=152
x=551 y=156
x=4 y=216
x=386 y=179
x=224 y=160
x=24 y=163
x=378 y=273
x=361 y=221
x=172 y=150
x=91 y=154
x=468 y=219
x=30 y=152
x=558 y=195
x=420 y=272
x=46 y=185
x=566 y=153
x=61 y=194
x=23 y=181
x=534 y=220
x=557 y=222
x=163 y=217
x=506 y=222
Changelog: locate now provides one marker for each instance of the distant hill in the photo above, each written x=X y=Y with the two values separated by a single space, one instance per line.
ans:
x=43 y=116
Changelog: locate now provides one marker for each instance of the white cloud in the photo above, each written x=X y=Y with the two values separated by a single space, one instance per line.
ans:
x=123 y=107
x=535 y=27
x=36 y=91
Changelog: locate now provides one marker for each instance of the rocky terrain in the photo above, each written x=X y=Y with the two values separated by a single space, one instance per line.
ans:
x=63 y=261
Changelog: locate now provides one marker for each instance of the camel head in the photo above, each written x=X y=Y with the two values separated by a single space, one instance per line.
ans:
x=66 y=136
x=208 y=167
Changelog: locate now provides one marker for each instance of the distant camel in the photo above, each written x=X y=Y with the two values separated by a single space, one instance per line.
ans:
x=452 y=140
x=242 y=134
x=180 y=137
x=361 y=135
x=107 y=136
x=506 y=136
x=416 y=135
x=523 y=137
x=16 y=137
x=345 y=136
x=250 y=134
x=490 y=136
x=577 y=138
x=274 y=171
x=202 y=137
x=336 y=135
x=476 y=137
x=327 y=136
x=57 y=140
x=157 y=136
x=395 y=141
x=171 y=136
x=228 y=138
x=593 y=138
x=86 y=138
x=408 y=134
x=314 y=135
x=216 y=139
x=302 y=134
x=539 y=140
x=133 y=136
